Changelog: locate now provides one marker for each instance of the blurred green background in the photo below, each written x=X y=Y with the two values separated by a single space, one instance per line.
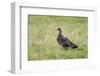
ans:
x=42 y=37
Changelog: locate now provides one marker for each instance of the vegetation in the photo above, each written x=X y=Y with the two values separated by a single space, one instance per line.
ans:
x=42 y=35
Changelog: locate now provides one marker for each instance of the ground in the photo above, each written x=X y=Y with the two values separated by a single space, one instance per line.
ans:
x=42 y=35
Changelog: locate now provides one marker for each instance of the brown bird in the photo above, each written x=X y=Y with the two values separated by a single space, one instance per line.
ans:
x=64 y=41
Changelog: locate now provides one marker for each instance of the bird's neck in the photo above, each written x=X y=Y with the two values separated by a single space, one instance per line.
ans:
x=60 y=32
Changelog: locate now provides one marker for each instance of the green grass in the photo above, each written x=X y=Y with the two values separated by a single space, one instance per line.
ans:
x=42 y=35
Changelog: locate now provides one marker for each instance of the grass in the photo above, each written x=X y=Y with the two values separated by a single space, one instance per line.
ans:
x=42 y=43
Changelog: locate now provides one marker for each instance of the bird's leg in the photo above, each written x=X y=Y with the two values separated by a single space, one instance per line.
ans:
x=62 y=48
x=65 y=48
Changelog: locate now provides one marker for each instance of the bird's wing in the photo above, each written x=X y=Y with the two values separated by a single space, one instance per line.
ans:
x=67 y=40
x=61 y=41
x=70 y=43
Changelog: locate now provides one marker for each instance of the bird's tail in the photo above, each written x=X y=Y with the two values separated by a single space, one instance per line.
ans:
x=75 y=46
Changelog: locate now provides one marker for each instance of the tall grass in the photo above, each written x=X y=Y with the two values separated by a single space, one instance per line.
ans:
x=42 y=35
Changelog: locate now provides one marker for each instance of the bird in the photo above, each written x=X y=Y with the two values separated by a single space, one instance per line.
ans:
x=64 y=41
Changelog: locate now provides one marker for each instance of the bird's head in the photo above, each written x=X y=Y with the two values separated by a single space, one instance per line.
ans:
x=59 y=29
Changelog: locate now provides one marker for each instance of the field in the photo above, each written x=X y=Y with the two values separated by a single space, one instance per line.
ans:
x=42 y=37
